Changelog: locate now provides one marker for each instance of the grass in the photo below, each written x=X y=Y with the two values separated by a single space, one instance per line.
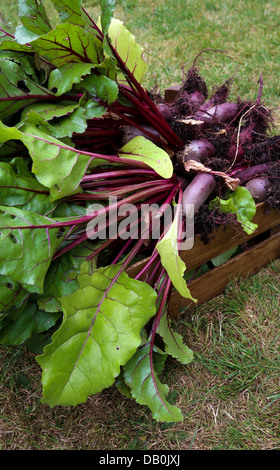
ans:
x=229 y=394
x=174 y=32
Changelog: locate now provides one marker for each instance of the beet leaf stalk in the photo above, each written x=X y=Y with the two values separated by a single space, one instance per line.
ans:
x=134 y=92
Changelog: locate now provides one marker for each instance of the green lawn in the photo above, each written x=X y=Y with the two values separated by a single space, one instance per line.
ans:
x=229 y=395
x=173 y=32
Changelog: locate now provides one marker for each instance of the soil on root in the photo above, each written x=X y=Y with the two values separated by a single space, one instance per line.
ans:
x=266 y=151
x=194 y=82
x=273 y=186
x=207 y=220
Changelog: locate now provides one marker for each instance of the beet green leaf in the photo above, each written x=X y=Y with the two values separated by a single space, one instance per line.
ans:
x=7 y=38
x=59 y=120
x=69 y=43
x=174 y=344
x=241 y=203
x=171 y=260
x=70 y=11
x=107 y=10
x=25 y=254
x=100 y=332
x=62 y=79
x=127 y=49
x=12 y=294
x=19 y=85
x=101 y=87
x=61 y=278
x=56 y=165
x=35 y=21
x=18 y=188
x=146 y=388
x=143 y=150
x=23 y=323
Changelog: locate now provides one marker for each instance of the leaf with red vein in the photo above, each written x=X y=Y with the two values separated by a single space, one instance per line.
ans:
x=100 y=332
x=127 y=49
x=70 y=11
x=34 y=21
x=19 y=86
x=69 y=43
x=25 y=255
x=146 y=387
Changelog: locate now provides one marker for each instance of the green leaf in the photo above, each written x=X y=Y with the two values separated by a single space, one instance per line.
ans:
x=70 y=11
x=174 y=344
x=143 y=150
x=159 y=359
x=35 y=21
x=48 y=111
x=128 y=50
x=17 y=81
x=25 y=254
x=122 y=387
x=24 y=36
x=94 y=109
x=11 y=45
x=11 y=294
x=102 y=87
x=100 y=332
x=107 y=11
x=58 y=120
x=240 y=203
x=220 y=259
x=63 y=168
x=69 y=43
x=146 y=388
x=18 y=326
x=61 y=278
x=171 y=261
x=66 y=126
x=18 y=188
x=62 y=79
x=5 y=27
x=48 y=304
x=56 y=165
x=7 y=40
x=36 y=343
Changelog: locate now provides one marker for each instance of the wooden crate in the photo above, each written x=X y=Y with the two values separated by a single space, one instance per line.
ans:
x=260 y=248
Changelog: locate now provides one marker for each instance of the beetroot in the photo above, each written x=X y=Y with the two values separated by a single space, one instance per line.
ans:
x=257 y=188
x=165 y=111
x=200 y=149
x=198 y=191
x=251 y=172
x=220 y=113
x=237 y=149
x=129 y=132
x=197 y=150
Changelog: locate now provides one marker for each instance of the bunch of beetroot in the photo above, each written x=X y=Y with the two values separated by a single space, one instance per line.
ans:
x=231 y=141
x=227 y=138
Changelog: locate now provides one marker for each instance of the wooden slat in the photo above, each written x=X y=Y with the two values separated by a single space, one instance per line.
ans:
x=275 y=230
x=212 y=283
x=170 y=93
x=222 y=241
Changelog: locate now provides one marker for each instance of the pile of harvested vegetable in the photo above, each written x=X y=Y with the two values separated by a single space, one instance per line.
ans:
x=82 y=141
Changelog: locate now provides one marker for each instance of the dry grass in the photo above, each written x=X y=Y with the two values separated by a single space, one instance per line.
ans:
x=229 y=395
